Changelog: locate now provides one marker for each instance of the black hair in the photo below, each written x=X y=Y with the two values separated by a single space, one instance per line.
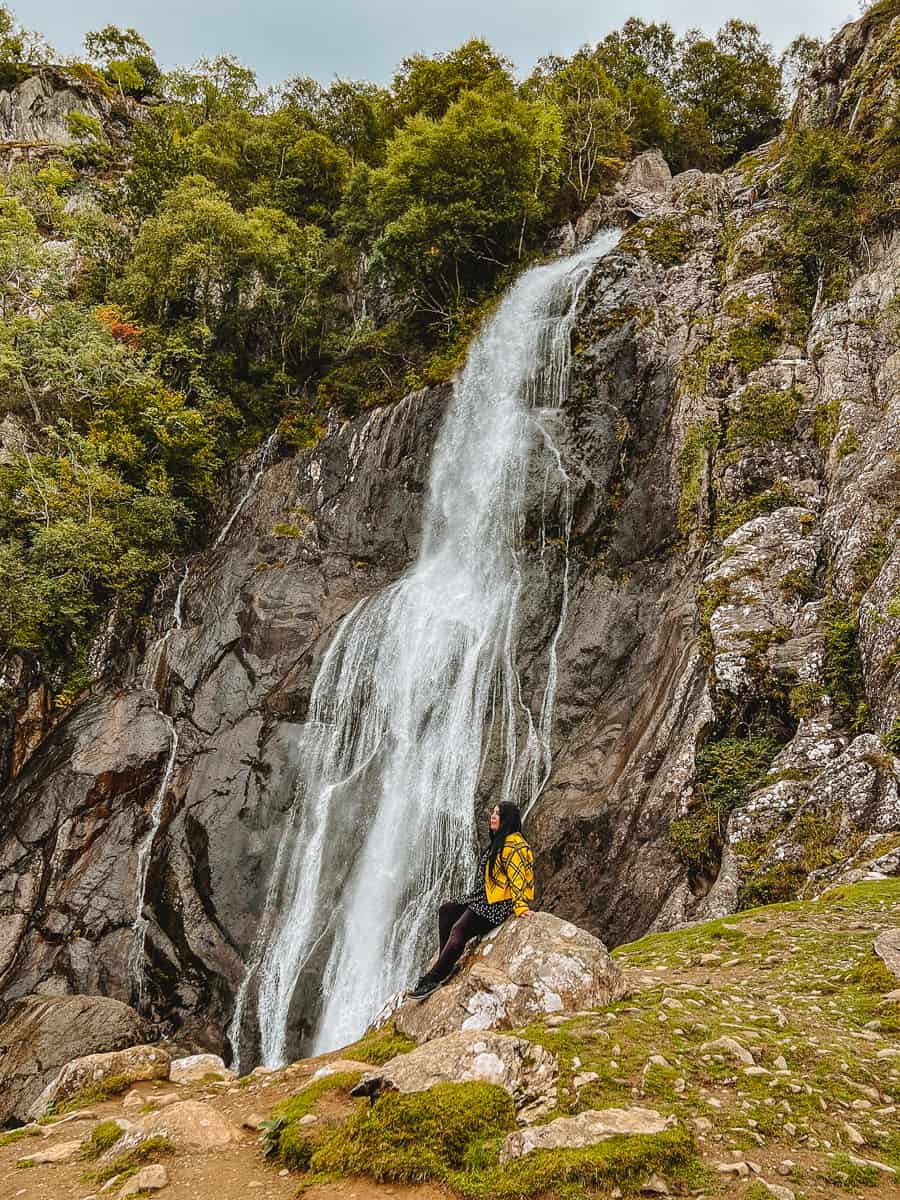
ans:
x=510 y=822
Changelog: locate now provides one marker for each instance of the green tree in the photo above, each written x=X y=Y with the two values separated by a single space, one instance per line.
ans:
x=126 y=57
x=734 y=82
x=430 y=85
x=213 y=87
x=452 y=202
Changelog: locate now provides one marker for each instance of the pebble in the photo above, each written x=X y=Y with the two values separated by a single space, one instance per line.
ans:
x=854 y=1137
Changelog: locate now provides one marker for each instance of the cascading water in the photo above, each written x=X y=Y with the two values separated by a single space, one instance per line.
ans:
x=417 y=681
x=154 y=678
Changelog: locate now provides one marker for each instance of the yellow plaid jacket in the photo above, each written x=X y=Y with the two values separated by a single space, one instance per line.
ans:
x=514 y=875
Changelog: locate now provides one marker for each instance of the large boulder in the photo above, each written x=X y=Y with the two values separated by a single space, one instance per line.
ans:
x=43 y=1033
x=528 y=968
x=585 y=1129
x=198 y=1068
x=134 y=1065
x=527 y=1071
x=188 y=1123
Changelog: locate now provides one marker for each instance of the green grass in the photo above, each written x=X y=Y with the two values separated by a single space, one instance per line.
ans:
x=283 y=1135
x=16 y=1135
x=765 y=416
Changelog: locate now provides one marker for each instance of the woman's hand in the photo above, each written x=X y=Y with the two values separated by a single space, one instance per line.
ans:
x=526 y=912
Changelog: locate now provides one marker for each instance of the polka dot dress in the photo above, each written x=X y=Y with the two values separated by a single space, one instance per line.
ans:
x=477 y=900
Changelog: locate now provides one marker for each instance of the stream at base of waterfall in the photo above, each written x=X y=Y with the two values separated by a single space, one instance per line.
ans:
x=419 y=681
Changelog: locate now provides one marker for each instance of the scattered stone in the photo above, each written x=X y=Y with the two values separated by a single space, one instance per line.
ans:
x=778 y=1190
x=148 y=1179
x=340 y=1066
x=197 y=1068
x=584 y=1078
x=854 y=1137
x=309 y=1119
x=887 y=947
x=709 y=959
x=527 y=1071
x=253 y=1121
x=780 y=1063
x=62 y=1152
x=134 y=1099
x=786 y=1166
x=655 y=1186
x=728 y=1045
x=585 y=1129
x=540 y=968
x=702 y=1124
x=734 y=1168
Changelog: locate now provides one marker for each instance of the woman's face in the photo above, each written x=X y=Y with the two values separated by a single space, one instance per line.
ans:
x=495 y=818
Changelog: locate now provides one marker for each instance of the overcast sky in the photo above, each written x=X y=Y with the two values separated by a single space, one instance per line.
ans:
x=365 y=39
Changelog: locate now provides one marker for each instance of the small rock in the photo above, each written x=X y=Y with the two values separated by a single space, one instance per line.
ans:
x=861 y=1105
x=708 y=959
x=702 y=1124
x=197 y=1067
x=778 y=1190
x=61 y=1153
x=780 y=1063
x=584 y=1078
x=655 y=1186
x=253 y=1120
x=309 y=1119
x=148 y=1179
x=585 y=1129
x=736 y=1168
x=756 y=1071
x=284 y=1172
x=729 y=1045
x=854 y=1137
x=134 y=1100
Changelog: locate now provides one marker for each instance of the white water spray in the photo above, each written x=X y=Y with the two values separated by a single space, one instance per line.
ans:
x=419 y=681
x=154 y=680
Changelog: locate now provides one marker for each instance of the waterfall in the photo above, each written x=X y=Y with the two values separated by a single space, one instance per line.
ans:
x=420 y=681
x=155 y=675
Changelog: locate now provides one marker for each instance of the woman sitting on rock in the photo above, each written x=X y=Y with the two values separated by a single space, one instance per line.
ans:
x=505 y=886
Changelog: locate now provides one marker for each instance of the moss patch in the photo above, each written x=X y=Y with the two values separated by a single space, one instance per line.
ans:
x=664 y=240
x=699 y=444
x=113 y=1085
x=102 y=1136
x=379 y=1046
x=425 y=1135
x=283 y=1135
x=765 y=416
x=16 y=1135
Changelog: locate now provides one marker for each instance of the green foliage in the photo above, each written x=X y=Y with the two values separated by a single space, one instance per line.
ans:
x=95 y=1093
x=842 y=1170
x=454 y=199
x=758 y=336
x=430 y=86
x=843 y=670
x=16 y=1135
x=805 y=699
x=891 y=737
x=727 y=771
x=825 y=424
x=665 y=240
x=822 y=182
x=765 y=416
x=700 y=443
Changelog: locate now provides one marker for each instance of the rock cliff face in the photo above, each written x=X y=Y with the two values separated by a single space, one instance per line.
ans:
x=735 y=593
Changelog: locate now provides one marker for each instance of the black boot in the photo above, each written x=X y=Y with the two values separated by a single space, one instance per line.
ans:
x=426 y=985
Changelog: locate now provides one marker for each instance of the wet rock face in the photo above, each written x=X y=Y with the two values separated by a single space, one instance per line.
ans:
x=40 y=1034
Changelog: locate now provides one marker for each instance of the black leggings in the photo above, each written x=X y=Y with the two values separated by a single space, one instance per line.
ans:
x=456 y=924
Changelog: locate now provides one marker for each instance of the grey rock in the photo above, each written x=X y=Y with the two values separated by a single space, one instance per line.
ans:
x=528 y=968
x=887 y=947
x=527 y=1071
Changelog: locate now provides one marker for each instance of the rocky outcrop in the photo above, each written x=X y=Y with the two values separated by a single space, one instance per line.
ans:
x=887 y=947
x=527 y=1071
x=43 y=1033
x=134 y=1065
x=526 y=969
x=35 y=110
